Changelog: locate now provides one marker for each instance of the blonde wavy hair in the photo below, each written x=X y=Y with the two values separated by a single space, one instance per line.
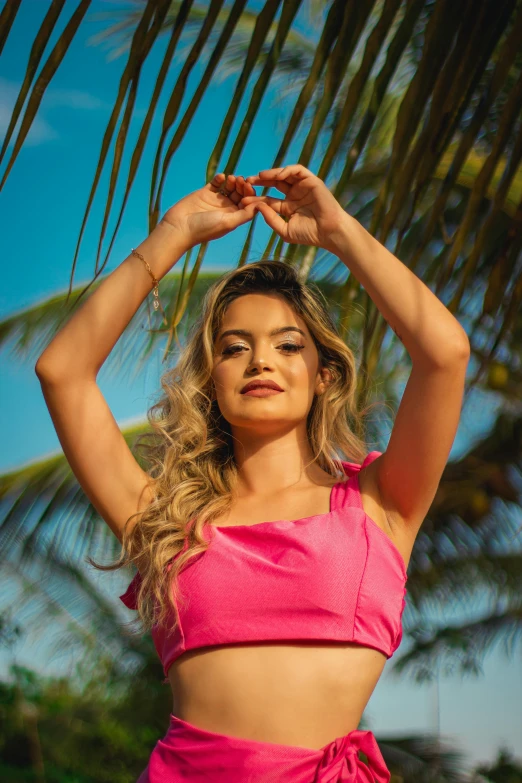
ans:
x=191 y=459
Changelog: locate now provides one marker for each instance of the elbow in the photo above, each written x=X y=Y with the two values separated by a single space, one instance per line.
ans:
x=42 y=368
x=451 y=352
x=38 y=368
x=51 y=372
x=45 y=372
x=457 y=354
x=463 y=347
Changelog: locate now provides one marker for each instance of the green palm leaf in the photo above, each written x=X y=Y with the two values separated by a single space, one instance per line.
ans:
x=46 y=74
x=421 y=133
x=422 y=759
x=37 y=51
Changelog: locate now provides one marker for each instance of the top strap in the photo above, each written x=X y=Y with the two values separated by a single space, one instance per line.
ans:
x=348 y=493
x=130 y=596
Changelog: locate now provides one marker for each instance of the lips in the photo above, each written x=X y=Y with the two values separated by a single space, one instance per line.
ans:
x=260 y=385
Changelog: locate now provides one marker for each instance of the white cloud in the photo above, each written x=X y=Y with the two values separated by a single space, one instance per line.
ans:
x=73 y=99
x=41 y=131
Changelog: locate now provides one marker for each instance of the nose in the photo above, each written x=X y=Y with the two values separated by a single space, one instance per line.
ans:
x=258 y=364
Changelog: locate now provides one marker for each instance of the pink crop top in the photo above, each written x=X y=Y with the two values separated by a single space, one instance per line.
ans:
x=329 y=577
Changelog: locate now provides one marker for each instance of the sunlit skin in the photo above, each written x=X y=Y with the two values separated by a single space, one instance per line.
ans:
x=270 y=440
x=303 y=693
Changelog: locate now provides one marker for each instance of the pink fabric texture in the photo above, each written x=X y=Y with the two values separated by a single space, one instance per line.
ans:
x=187 y=753
x=331 y=577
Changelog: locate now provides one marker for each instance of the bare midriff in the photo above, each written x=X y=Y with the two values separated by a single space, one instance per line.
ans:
x=304 y=693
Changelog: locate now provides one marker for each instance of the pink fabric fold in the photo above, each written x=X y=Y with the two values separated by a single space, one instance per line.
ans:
x=341 y=762
x=188 y=753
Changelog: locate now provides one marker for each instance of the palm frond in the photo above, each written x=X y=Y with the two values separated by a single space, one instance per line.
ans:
x=423 y=759
x=46 y=28
x=43 y=509
x=460 y=647
x=123 y=29
x=49 y=68
x=414 y=109
x=446 y=87
x=27 y=332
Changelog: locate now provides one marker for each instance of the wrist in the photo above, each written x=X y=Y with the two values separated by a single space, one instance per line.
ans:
x=162 y=248
x=343 y=236
x=173 y=234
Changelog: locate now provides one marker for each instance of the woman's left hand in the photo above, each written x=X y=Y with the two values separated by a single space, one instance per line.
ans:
x=312 y=212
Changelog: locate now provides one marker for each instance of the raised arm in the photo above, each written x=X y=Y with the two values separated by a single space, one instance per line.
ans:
x=406 y=476
x=91 y=440
x=90 y=437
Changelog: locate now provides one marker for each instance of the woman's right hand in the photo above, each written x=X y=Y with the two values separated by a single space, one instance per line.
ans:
x=206 y=214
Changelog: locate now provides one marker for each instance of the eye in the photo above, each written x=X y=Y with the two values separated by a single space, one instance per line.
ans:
x=292 y=347
x=288 y=347
x=232 y=350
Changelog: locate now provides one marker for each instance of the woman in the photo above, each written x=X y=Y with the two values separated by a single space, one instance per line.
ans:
x=271 y=573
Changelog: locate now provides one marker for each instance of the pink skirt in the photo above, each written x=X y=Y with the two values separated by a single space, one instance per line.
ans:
x=187 y=753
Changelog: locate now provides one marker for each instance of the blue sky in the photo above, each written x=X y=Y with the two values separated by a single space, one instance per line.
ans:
x=42 y=206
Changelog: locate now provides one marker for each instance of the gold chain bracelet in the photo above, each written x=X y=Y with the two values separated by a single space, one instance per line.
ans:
x=155 y=283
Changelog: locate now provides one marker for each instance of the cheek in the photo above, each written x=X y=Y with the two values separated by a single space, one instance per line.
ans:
x=222 y=375
x=301 y=376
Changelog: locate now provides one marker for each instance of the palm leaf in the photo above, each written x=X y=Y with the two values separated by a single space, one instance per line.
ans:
x=173 y=106
x=394 y=53
x=507 y=122
x=429 y=111
x=160 y=13
x=422 y=759
x=488 y=96
x=354 y=94
x=259 y=33
x=40 y=42
x=503 y=270
x=7 y=17
x=452 y=94
x=49 y=68
x=28 y=331
x=133 y=65
x=463 y=645
x=436 y=48
x=43 y=497
x=197 y=14
x=175 y=101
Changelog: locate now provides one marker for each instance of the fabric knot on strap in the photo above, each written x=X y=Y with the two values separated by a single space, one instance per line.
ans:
x=341 y=762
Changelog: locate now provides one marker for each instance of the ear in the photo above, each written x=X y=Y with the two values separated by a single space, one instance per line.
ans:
x=324 y=379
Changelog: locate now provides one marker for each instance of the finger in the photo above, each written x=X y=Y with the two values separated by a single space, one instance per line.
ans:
x=296 y=170
x=216 y=181
x=242 y=187
x=275 y=203
x=291 y=174
x=239 y=216
x=284 y=187
x=249 y=189
x=245 y=187
x=270 y=173
x=272 y=219
x=237 y=193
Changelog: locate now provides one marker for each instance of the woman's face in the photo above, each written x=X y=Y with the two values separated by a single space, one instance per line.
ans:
x=261 y=337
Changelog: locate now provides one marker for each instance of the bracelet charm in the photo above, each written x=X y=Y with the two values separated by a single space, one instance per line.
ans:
x=155 y=283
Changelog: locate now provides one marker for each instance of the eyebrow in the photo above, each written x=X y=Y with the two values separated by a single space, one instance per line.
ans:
x=246 y=333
